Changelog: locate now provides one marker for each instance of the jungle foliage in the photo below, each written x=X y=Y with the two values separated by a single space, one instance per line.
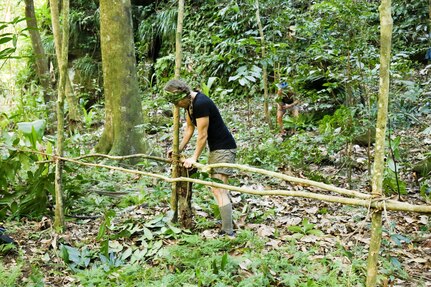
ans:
x=328 y=50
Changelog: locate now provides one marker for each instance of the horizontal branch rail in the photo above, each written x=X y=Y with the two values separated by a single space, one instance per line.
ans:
x=365 y=200
x=207 y=168
x=378 y=203
x=303 y=181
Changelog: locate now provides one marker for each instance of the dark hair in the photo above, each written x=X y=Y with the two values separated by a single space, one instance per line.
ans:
x=175 y=86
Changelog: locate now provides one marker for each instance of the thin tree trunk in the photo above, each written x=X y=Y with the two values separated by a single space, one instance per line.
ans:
x=74 y=112
x=42 y=68
x=264 y=68
x=181 y=191
x=63 y=60
x=123 y=108
x=379 y=162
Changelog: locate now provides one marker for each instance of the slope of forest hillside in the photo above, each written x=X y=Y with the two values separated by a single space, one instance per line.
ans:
x=118 y=229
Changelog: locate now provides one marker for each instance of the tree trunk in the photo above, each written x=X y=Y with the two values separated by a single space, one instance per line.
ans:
x=379 y=157
x=184 y=194
x=42 y=68
x=176 y=111
x=264 y=68
x=63 y=61
x=74 y=112
x=123 y=108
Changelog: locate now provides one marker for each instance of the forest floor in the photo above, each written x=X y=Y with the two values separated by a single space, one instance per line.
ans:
x=336 y=233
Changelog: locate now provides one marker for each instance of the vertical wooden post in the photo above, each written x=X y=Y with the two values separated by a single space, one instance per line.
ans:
x=184 y=191
x=176 y=113
x=63 y=61
x=264 y=68
x=379 y=158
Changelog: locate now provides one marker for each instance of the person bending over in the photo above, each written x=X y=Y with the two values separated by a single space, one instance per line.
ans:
x=202 y=114
x=286 y=101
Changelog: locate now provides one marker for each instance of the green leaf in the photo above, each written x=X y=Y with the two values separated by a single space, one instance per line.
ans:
x=71 y=254
x=215 y=267
x=295 y=229
x=224 y=261
x=243 y=81
x=102 y=231
x=5 y=40
x=395 y=262
x=315 y=232
x=148 y=234
x=138 y=255
x=155 y=222
x=174 y=229
x=127 y=253
x=27 y=127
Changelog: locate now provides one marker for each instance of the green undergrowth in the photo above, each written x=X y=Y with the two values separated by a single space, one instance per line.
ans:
x=144 y=248
x=195 y=261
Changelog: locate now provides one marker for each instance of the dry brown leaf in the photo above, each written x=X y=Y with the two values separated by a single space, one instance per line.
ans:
x=310 y=239
x=274 y=243
x=419 y=260
x=265 y=231
x=312 y=210
x=424 y=219
x=244 y=265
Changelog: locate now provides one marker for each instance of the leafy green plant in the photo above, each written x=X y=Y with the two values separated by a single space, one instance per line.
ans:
x=10 y=37
x=88 y=117
x=306 y=228
x=206 y=87
x=245 y=76
x=75 y=258
x=25 y=184
x=33 y=131
x=103 y=234
x=392 y=183
x=7 y=248
x=10 y=276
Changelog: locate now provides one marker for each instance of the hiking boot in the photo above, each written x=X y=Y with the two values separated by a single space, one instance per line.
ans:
x=223 y=233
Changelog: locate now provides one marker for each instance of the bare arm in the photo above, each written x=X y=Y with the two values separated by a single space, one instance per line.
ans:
x=188 y=133
x=292 y=104
x=202 y=125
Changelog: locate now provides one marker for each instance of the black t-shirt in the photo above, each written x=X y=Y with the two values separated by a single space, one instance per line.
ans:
x=287 y=97
x=219 y=137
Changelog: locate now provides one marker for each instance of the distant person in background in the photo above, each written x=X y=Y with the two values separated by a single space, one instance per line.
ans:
x=203 y=114
x=286 y=101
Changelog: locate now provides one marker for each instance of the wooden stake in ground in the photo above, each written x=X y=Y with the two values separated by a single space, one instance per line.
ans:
x=176 y=168
x=184 y=192
x=379 y=158
x=63 y=60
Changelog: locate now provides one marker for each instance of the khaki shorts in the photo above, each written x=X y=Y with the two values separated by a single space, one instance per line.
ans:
x=222 y=156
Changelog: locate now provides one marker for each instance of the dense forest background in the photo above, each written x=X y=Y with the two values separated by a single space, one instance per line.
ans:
x=118 y=231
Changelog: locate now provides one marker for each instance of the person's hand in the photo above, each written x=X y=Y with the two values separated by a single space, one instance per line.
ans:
x=188 y=163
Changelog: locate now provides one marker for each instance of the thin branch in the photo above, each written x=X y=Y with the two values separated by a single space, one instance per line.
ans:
x=378 y=203
x=162 y=159
x=361 y=200
x=297 y=180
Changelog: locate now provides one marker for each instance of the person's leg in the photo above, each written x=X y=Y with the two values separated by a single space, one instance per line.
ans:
x=280 y=114
x=295 y=112
x=222 y=195
x=224 y=203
